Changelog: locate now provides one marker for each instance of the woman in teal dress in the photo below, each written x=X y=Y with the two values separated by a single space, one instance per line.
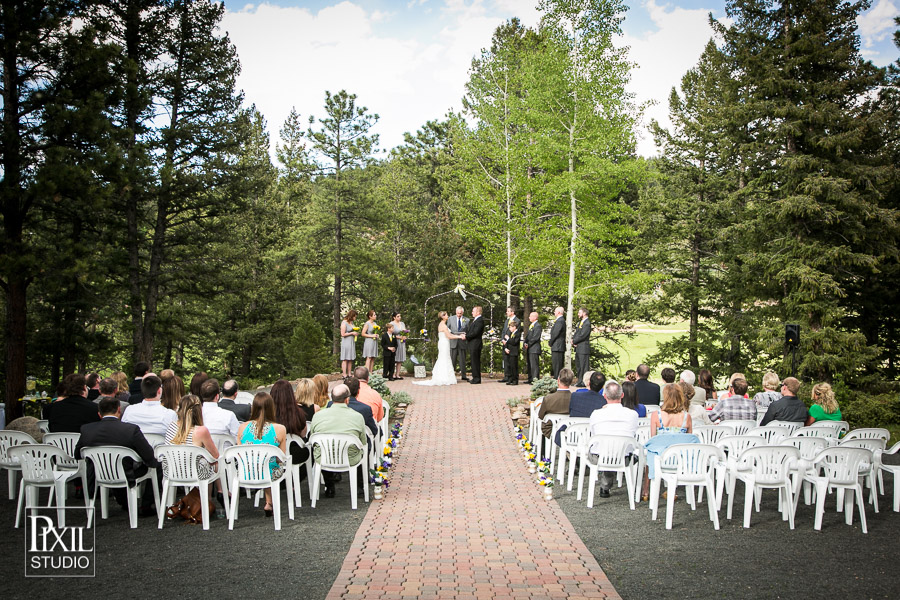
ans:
x=262 y=429
x=670 y=425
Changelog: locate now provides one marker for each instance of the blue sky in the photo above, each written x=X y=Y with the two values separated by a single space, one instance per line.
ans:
x=407 y=60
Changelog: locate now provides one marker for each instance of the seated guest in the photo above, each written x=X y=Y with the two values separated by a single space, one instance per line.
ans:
x=134 y=388
x=352 y=384
x=122 y=394
x=629 y=399
x=612 y=419
x=584 y=402
x=697 y=411
x=166 y=374
x=705 y=381
x=731 y=379
x=306 y=395
x=737 y=406
x=92 y=381
x=218 y=420
x=73 y=411
x=631 y=375
x=698 y=397
x=173 y=392
x=189 y=430
x=770 y=393
x=668 y=376
x=322 y=396
x=558 y=401
x=291 y=417
x=825 y=406
x=109 y=388
x=262 y=429
x=227 y=401
x=789 y=407
x=647 y=391
x=110 y=431
x=197 y=382
x=672 y=416
x=150 y=415
x=367 y=395
x=338 y=417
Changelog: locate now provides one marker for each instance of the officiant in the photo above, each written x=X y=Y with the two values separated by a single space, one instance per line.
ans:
x=458 y=349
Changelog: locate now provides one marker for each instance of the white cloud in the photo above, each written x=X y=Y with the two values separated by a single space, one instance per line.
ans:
x=876 y=24
x=663 y=57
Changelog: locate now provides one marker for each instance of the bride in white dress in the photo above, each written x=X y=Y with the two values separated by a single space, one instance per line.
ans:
x=443 y=373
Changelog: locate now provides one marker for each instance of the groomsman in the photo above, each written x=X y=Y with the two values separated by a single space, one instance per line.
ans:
x=474 y=332
x=510 y=318
x=389 y=351
x=558 y=342
x=582 y=343
x=458 y=324
x=511 y=353
x=533 y=347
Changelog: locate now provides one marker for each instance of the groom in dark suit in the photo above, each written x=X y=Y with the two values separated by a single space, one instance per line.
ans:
x=458 y=324
x=473 y=340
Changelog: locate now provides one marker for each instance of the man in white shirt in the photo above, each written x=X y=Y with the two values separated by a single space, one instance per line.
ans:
x=612 y=419
x=150 y=415
x=218 y=420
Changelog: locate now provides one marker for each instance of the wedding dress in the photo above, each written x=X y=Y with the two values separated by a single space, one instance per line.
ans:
x=442 y=373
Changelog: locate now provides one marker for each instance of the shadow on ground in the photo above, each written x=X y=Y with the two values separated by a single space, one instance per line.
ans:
x=768 y=560
x=179 y=561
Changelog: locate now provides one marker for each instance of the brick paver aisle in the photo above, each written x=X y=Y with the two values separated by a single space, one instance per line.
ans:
x=463 y=518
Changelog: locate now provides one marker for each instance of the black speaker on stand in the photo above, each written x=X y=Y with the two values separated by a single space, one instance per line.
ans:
x=792 y=339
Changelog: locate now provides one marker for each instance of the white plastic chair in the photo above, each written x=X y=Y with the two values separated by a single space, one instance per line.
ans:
x=840 y=468
x=384 y=425
x=711 y=434
x=39 y=464
x=790 y=426
x=773 y=435
x=607 y=453
x=826 y=431
x=334 y=456
x=868 y=433
x=155 y=439
x=895 y=471
x=295 y=469
x=534 y=427
x=550 y=452
x=557 y=465
x=651 y=408
x=731 y=448
x=109 y=472
x=809 y=447
x=740 y=427
x=570 y=444
x=873 y=471
x=643 y=421
x=43 y=425
x=10 y=439
x=180 y=468
x=689 y=465
x=251 y=470
x=763 y=467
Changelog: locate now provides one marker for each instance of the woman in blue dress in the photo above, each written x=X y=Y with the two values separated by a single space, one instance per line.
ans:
x=670 y=425
x=348 y=343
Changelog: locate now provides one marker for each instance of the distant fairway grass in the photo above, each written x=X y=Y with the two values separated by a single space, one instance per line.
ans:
x=634 y=351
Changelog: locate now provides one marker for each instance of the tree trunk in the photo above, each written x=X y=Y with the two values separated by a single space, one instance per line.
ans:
x=16 y=287
x=693 y=358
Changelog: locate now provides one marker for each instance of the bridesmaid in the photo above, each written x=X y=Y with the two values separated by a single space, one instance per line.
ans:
x=370 y=345
x=401 y=344
x=348 y=343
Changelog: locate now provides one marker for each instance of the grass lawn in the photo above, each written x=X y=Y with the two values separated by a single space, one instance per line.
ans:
x=634 y=351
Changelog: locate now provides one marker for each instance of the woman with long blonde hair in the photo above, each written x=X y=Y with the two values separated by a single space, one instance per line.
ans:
x=825 y=405
x=306 y=395
x=189 y=430
x=173 y=391
x=321 y=390
x=670 y=413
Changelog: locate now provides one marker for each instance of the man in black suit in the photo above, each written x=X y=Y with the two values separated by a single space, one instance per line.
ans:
x=229 y=392
x=511 y=352
x=134 y=388
x=504 y=336
x=558 y=342
x=533 y=347
x=474 y=332
x=110 y=431
x=647 y=391
x=582 y=343
x=458 y=324
x=73 y=411
x=388 y=351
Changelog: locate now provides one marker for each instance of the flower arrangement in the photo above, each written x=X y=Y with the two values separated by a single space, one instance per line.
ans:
x=378 y=477
x=543 y=466
x=376 y=328
x=424 y=333
x=545 y=481
x=356 y=328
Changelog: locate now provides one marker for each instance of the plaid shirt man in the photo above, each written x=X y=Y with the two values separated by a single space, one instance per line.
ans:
x=734 y=408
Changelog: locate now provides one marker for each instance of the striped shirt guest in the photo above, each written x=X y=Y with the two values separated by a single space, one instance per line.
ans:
x=735 y=406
